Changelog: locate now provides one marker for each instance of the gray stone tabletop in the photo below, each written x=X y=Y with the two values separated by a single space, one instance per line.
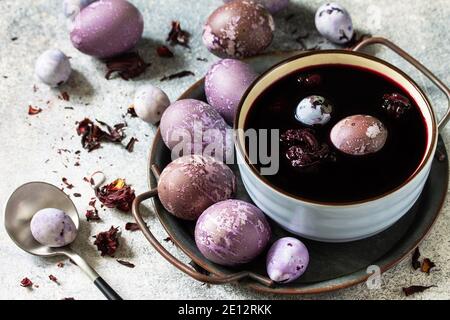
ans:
x=30 y=144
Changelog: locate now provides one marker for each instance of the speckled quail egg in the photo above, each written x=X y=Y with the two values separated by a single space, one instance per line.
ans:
x=334 y=23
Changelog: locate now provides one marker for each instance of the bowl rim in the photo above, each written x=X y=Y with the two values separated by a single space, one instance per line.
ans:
x=431 y=146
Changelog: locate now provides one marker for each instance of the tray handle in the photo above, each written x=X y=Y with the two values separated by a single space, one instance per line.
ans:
x=402 y=53
x=177 y=263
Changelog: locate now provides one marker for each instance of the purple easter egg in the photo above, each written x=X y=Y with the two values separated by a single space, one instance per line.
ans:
x=273 y=6
x=107 y=28
x=190 y=126
x=190 y=184
x=287 y=260
x=232 y=232
x=238 y=29
x=225 y=84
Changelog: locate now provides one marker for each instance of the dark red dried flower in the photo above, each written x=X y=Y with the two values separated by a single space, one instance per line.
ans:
x=33 y=110
x=60 y=264
x=92 y=215
x=26 y=282
x=178 y=35
x=116 y=195
x=77 y=195
x=53 y=278
x=131 y=226
x=107 y=242
x=126 y=263
x=396 y=104
x=304 y=150
x=164 y=52
x=92 y=135
x=128 y=65
x=415 y=289
x=178 y=75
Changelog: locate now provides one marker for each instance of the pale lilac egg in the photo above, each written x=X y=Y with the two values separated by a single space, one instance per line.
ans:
x=314 y=110
x=53 y=67
x=273 y=6
x=238 y=29
x=192 y=126
x=232 y=232
x=107 y=28
x=334 y=23
x=53 y=227
x=190 y=184
x=287 y=260
x=225 y=83
x=150 y=103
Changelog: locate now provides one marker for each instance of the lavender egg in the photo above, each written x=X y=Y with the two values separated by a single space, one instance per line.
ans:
x=53 y=227
x=192 y=126
x=107 y=28
x=287 y=260
x=190 y=184
x=232 y=232
x=150 y=103
x=334 y=23
x=53 y=67
x=314 y=110
x=73 y=7
x=359 y=135
x=225 y=84
x=272 y=5
x=238 y=29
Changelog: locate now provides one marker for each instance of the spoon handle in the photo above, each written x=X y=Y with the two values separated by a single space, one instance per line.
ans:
x=101 y=284
x=106 y=289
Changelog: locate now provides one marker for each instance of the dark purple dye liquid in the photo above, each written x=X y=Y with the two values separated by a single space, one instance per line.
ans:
x=352 y=91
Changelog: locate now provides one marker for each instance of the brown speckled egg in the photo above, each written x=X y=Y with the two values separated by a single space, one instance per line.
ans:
x=238 y=29
x=190 y=184
x=359 y=135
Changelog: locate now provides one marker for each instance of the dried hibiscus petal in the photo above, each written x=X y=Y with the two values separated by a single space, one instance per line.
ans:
x=132 y=112
x=396 y=104
x=128 y=65
x=164 y=52
x=178 y=35
x=415 y=259
x=53 y=278
x=415 y=289
x=304 y=150
x=116 y=195
x=92 y=215
x=126 y=263
x=92 y=135
x=25 y=282
x=107 y=242
x=131 y=226
x=178 y=75
x=130 y=144
x=33 y=110
x=427 y=265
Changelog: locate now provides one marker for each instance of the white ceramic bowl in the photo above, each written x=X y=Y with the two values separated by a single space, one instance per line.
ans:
x=327 y=221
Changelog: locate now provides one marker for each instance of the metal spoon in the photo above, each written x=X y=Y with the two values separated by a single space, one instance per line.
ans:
x=23 y=203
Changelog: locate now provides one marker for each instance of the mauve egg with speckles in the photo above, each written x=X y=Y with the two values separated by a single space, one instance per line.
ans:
x=359 y=135
x=190 y=184
x=107 y=28
x=272 y=5
x=238 y=29
x=190 y=126
x=225 y=83
x=53 y=227
x=232 y=232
